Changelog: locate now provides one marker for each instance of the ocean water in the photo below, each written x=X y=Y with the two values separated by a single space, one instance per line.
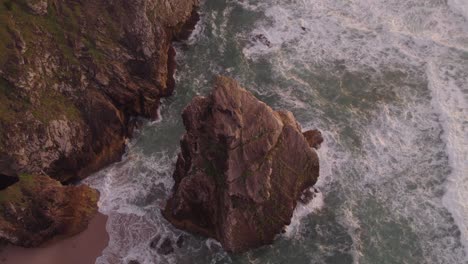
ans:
x=386 y=81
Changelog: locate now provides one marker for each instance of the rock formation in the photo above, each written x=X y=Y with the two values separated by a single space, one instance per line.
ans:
x=314 y=138
x=73 y=75
x=241 y=169
x=37 y=208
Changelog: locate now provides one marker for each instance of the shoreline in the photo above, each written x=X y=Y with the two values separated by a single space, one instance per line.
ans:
x=83 y=248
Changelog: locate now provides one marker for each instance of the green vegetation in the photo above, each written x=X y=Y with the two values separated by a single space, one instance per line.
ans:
x=59 y=29
x=5 y=37
x=15 y=16
x=53 y=106
x=14 y=193
x=10 y=103
x=62 y=24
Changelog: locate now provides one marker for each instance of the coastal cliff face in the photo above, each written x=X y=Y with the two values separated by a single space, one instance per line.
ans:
x=241 y=169
x=73 y=75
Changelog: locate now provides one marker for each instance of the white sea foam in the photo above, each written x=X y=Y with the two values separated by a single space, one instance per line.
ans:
x=363 y=33
x=159 y=118
x=394 y=173
x=329 y=160
x=301 y=211
x=406 y=173
x=377 y=35
x=132 y=193
x=460 y=6
x=198 y=32
x=450 y=100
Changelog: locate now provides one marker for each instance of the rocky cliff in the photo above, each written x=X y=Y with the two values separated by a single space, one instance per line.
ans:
x=241 y=169
x=73 y=75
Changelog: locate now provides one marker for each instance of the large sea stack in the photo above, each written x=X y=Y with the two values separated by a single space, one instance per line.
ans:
x=241 y=169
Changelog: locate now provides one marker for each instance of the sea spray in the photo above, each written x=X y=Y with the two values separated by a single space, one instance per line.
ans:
x=450 y=101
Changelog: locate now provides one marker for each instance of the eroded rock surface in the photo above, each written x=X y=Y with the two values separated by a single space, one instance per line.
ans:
x=241 y=169
x=314 y=138
x=73 y=77
x=37 y=208
x=73 y=74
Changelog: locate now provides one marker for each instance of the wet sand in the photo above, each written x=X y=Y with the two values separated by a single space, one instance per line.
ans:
x=83 y=248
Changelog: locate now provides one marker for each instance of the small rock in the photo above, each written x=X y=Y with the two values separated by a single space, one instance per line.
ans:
x=155 y=241
x=41 y=208
x=166 y=247
x=263 y=39
x=38 y=7
x=307 y=196
x=102 y=79
x=314 y=138
x=180 y=241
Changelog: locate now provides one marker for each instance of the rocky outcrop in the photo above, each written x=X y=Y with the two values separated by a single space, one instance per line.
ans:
x=37 y=208
x=38 y=7
x=241 y=169
x=73 y=74
x=314 y=138
x=73 y=77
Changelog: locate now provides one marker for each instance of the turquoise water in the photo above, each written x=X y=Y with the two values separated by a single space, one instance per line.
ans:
x=387 y=84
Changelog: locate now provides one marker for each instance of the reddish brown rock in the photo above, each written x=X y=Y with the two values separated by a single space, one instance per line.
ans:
x=73 y=77
x=73 y=74
x=314 y=138
x=241 y=169
x=37 y=208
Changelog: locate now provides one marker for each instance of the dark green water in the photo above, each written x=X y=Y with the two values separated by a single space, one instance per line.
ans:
x=386 y=83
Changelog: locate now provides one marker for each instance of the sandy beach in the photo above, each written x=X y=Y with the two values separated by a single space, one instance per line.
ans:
x=83 y=248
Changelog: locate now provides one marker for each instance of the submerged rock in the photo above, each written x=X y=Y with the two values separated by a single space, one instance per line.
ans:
x=154 y=242
x=180 y=241
x=241 y=169
x=166 y=247
x=37 y=208
x=163 y=246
